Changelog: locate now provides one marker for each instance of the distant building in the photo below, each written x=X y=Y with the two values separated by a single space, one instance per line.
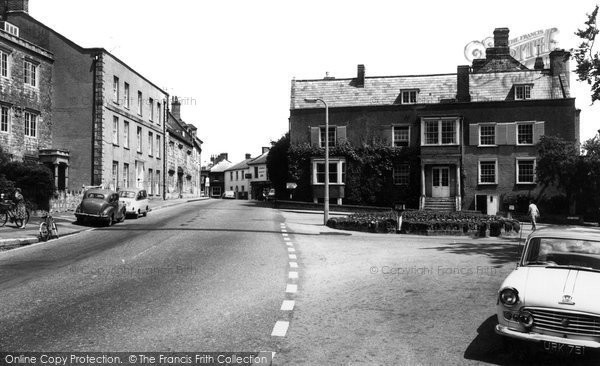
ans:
x=215 y=175
x=259 y=180
x=184 y=150
x=464 y=140
x=237 y=178
x=107 y=117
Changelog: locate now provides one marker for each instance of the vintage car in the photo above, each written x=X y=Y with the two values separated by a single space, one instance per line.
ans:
x=135 y=201
x=553 y=296
x=229 y=195
x=100 y=205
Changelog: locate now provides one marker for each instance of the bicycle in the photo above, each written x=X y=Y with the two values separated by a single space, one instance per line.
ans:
x=48 y=227
x=8 y=213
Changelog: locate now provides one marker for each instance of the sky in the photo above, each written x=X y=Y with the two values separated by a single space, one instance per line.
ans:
x=231 y=63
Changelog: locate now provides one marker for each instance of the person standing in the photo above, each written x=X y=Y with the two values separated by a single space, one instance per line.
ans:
x=533 y=213
x=21 y=210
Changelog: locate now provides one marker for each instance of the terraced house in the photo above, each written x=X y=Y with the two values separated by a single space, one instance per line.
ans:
x=107 y=119
x=469 y=136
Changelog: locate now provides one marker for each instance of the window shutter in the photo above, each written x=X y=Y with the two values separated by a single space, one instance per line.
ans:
x=314 y=136
x=501 y=131
x=511 y=133
x=387 y=135
x=474 y=134
x=341 y=133
x=538 y=131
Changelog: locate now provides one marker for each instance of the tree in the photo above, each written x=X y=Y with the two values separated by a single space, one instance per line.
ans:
x=588 y=61
x=278 y=165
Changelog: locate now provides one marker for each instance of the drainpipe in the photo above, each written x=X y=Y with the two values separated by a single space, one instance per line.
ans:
x=94 y=74
x=165 y=144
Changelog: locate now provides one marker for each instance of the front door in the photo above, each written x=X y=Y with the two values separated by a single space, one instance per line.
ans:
x=441 y=181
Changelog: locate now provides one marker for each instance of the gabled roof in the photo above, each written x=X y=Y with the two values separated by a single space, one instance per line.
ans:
x=220 y=166
x=239 y=166
x=262 y=159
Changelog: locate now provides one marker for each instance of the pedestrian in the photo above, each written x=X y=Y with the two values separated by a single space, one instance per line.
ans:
x=533 y=214
x=20 y=209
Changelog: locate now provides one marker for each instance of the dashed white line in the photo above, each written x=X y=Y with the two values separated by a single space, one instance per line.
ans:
x=283 y=230
x=284 y=234
x=291 y=250
x=286 y=239
x=291 y=289
x=293 y=265
x=288 y=305
x=293 y=275
x=292 y=256
x=290 y=244
x=280 y=328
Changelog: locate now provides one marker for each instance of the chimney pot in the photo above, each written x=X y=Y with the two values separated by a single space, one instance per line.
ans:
x=248 y=156
x=176 y=108
x=501 y=37
x=14 y=5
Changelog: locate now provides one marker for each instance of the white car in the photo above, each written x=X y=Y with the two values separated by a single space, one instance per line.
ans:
x=553 y=297
x=135 y=201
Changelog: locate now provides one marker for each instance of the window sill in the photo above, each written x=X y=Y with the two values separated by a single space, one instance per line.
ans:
x=488 y=184
x=518 y=144
x=526 y=183
x=115 y=145
x=31 y=137
x=439 y=145
x=330 y=183
x=126 y=147
x=487 y=145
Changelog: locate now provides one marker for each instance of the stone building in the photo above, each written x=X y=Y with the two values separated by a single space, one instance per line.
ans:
x=108 y=117
x=467 y=139
x=183 y=156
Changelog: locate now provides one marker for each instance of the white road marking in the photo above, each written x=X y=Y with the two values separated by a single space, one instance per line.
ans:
x=290 y=244
x=283 y=230
x=286 y=239
x=292 y=256
x=291 y=289
x=293 y=275
x=284 y=234
x=288 y=305
x=280 y=329
x=291 y=250
x=293 y=265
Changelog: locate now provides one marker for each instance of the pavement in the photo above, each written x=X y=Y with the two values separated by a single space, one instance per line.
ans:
x=12 y=236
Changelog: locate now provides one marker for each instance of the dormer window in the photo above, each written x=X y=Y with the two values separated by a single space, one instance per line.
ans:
x=522 y=92
x=409 y=96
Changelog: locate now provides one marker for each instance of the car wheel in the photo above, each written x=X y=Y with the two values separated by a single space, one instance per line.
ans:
x=146 y=212
x=111 y=219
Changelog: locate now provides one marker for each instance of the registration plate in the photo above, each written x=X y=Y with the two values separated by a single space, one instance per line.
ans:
x=565 y=349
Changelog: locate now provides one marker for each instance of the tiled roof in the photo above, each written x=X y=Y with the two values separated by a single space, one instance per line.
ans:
x=239 y=166
x=259 y=160
x=376 y=91
x=220 y=167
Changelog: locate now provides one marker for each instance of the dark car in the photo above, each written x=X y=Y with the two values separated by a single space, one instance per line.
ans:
x=100 y=205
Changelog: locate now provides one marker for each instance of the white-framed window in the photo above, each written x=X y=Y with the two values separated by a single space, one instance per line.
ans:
x=439 y=131
x=158 y=113
x=401 y=174
x=487 y=135
x=127 y=96
x=331 y=136
x=522 y=92
x=488 y=171
x=150 y=143
x=525 y=133
x=115 y=174
x=151 y=103
x=3 y=64
x=116 y=89
x=125 y=175
x=409 y=96
x=115 y=139
x=526 y=170
x=139 y=139
x=30 y=124
x=140 y=103
x=29 y=73
x=401 y=135
x=337 y=171
x=158 y=146
x=4 y=119
x=126 y=134
x=11 y=28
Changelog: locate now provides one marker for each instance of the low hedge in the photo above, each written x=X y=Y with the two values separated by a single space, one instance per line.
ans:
x=425 y=221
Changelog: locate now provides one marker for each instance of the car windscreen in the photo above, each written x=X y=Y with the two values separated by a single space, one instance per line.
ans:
x=127 y=194
x=95 y=195
x=563 y=252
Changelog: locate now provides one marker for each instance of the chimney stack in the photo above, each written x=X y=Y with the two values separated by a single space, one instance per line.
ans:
x=176 y=108
x=248 y=156
x=559 y=69
x=500 y=44
x=360 y=77
x=14 y=5
x=462 y=84
x=265 y=149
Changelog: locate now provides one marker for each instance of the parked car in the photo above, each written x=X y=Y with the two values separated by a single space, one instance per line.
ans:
x=271 y=195
x=135 y=201
x=100 y=205
x=553 y=297
x=229 y=194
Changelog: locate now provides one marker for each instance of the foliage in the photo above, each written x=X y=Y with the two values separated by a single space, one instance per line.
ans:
x=277 y=165
x=424 y=221
x=560 y=163
x=368 y=172
x=588 y=62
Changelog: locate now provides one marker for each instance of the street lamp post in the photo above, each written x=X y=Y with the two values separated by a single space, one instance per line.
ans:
x=326 y=199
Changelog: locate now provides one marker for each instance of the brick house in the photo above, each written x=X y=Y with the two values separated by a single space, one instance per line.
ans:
x=107 y=116
x=184 y=149
x=471 y=134
x=26 y=88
